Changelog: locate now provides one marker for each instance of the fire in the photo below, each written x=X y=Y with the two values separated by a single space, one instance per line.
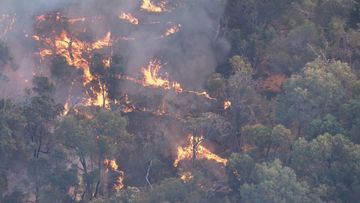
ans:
x=227 y=104
x=186 y=176
x=103 y=42
x=152 y=78
x=147 y=5
x=172 y=30
x=46 y=52
x=75 y=20
x=74 y=52
x=129 y=18
x=113 y=166
x=119 y=181
x=201 y=94
x=196 y=148
x=107 y=62
x=101 y=97
x=67 y=103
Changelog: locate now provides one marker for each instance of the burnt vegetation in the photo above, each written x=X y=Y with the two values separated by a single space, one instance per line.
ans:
x=179 y=101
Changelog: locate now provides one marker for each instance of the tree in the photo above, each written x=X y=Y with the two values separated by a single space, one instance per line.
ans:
x=318 y=90
x=248 y=106
x=330 y=162
x=12 y=143
x=94 y=137
x=274 y=182
x=265 y=142
x=213 y=127
x=240 y=170
x=170 y=190
x=41 y=113
x=106 y=76
x=350 y=115
x=327 y=124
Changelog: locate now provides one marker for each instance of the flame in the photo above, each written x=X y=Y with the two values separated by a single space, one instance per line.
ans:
x=103 y=42
x=45 y=52
x=186 y=153
x=75 y=20
x=172 y=30
x=74 y=50
x=119 y=181
x=201 y=94
x=148 y=6
x=129 y=18
x=186 y=176
x=161 y=110
x=101 y=97
x=227 y=104
x=67 y=103
x=112 y=165
x=152 y=78
x=107 y=62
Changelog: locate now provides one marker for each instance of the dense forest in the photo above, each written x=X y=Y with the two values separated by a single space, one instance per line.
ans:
x=154 y=101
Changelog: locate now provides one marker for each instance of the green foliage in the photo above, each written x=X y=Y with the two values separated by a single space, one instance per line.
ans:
x=11 y=129
x=351 y=115
x=318 y=90
x=273 y=182
x=266 y=141
x=299 y=144
x=240 y=170
x=330 y=162
x=248 y=106
x=327 y=124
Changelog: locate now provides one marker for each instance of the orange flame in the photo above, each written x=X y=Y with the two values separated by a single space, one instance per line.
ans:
x=129 y=18
x=103 y=42
x=186 y=176
x=107 y=62
x=119 y=181
x=75 y=20
x=172 y=30
x=152 y=78
x=227 y=104
x=201 y=94
x=112 y=165
x=147 y=5
x=186 y=153
x=101 y=97
x=73 y=51
x=45 y=52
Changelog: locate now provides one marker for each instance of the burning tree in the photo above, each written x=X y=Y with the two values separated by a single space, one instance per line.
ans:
x=93 y=136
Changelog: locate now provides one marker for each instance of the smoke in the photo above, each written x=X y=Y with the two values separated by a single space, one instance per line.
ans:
x=188 y=56
x=16 y=28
